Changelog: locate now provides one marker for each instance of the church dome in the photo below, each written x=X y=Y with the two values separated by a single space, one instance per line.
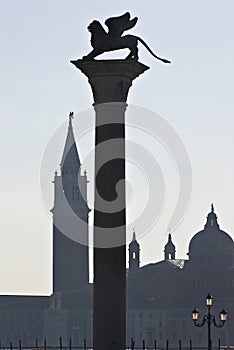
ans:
x=211 y=240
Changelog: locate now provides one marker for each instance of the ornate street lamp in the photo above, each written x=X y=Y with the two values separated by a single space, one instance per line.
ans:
x=209 y=300
x=209 y=319
x=223 y=315
x=195 y=314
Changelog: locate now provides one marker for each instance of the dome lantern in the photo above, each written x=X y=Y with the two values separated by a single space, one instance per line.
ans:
x=212 y=220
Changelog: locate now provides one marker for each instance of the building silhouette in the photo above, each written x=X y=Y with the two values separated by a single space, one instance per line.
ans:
x=70 y=257
x=160 y=296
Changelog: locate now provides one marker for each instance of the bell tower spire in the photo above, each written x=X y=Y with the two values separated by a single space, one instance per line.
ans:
x=70 y=162
x=70 y=220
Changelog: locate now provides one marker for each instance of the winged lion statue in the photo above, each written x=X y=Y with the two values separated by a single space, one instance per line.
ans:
x=103 y=41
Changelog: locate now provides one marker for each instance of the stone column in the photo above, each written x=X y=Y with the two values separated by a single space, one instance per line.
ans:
x=110 y=81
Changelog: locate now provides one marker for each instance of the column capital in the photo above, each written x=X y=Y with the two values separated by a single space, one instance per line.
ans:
x=110 y=79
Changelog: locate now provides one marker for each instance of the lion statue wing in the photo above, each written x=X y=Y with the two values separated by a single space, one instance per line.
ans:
x=117 y=25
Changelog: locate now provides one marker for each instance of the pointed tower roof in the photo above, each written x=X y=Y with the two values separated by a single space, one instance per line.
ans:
x=70 y=157
x=169 y=246
x=134 y=242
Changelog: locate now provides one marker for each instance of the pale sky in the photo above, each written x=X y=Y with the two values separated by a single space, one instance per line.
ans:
x=39 y=87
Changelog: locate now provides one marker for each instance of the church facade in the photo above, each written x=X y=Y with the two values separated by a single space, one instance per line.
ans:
x=160 y=296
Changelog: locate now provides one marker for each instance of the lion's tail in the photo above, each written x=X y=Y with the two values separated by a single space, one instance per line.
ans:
x=152 y=53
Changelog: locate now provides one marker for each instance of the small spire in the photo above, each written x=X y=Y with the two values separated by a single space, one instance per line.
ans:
x=169 y=242
x=134 y=242
x=212 y=208
x=70 y=157
x=134 y=234
x=71 y=116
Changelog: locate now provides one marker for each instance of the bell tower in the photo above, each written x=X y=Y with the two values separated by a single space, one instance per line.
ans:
x=169 y=249
x=134 y=253
x=70 y=221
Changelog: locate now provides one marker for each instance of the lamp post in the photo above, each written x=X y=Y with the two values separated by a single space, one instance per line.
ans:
x=209 y=319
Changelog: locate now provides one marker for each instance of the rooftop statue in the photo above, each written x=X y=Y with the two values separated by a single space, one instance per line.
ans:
x=102 y=41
